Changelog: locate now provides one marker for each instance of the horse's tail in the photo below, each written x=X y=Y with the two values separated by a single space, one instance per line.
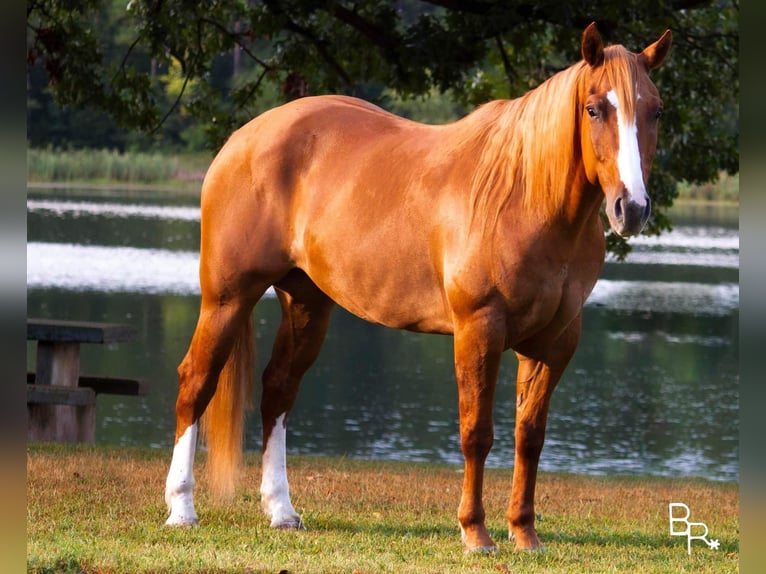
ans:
x=222 y=425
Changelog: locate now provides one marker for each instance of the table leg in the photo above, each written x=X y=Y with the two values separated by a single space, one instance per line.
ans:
x=59 y=364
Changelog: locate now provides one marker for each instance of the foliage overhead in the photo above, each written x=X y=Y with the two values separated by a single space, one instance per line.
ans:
x=149 y=63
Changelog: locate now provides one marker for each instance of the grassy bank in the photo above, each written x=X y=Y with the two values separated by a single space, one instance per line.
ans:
x=101 y=510
x=725 y=190
x=107 y=167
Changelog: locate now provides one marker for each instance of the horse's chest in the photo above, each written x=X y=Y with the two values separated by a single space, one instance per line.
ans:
x=544 y=304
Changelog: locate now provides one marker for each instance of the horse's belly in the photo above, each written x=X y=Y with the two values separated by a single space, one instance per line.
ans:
x=382 y=285
x=375 y=251
x=385 y=301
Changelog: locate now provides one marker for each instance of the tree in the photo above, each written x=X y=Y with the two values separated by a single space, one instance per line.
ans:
x=474 y=49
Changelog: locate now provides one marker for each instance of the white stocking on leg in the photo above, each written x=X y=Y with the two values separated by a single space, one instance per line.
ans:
x=275 y=491
x=180 y=481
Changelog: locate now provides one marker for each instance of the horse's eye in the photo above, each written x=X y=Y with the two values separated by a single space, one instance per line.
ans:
x=592 y=112
x=657 y=113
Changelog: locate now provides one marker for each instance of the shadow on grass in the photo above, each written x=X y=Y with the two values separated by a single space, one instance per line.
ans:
x=421 y=530
x=452 y=532
x=635 y=540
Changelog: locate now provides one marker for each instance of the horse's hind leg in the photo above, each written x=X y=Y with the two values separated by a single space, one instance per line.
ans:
x=217 y=329
x=305 y=318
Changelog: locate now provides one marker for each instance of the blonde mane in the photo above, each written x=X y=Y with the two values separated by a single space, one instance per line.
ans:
x=528 y=145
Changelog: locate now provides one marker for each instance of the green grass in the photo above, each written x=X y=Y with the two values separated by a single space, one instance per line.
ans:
x=97 y=509
x=723 y=190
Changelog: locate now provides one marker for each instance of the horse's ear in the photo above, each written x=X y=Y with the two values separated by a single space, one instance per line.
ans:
x=592 y=46
x=654 y=54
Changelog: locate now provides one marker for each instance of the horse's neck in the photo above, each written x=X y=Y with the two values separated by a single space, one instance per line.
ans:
x=528 y=151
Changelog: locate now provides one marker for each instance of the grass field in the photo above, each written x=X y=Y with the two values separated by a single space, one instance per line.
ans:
x=98 y=509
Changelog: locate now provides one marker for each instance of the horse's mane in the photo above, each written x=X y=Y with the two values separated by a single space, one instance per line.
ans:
x=530 y=145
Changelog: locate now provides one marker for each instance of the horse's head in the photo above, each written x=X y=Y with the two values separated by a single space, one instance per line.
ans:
x=620 y=113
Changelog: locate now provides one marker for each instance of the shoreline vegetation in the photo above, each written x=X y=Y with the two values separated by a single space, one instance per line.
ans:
x=185 y=171
x=110 y=168
x=100 y=509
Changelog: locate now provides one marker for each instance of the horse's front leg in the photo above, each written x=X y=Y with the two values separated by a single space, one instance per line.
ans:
x=478 y=349
x=535 y=382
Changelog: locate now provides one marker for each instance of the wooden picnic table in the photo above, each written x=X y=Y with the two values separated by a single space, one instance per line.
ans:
x=61 y=403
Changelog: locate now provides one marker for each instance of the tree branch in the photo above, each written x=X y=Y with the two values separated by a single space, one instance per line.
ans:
x=293 y=26
x=121 y=68
x=372 y=32
x=172 y=108
x=469 y=6
x=252 y=89
x=235 y=38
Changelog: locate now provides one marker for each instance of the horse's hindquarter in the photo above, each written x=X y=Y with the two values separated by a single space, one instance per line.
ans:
x=356 y=193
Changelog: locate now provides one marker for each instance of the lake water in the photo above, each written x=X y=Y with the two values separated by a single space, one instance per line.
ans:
x=652 y=389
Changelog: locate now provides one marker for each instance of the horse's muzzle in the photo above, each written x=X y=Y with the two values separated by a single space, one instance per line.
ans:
x=627 y=216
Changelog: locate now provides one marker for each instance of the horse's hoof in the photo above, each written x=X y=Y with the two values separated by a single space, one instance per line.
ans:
x=477 y=541
x=180 y=510
x=527 y=542
x=188 y=521
x=289 y=524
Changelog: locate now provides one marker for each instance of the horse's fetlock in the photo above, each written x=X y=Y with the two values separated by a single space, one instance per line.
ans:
x=521 y=518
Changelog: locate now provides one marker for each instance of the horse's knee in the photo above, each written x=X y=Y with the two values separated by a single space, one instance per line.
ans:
x=477 y=441
x=195 y=390
x=529 y=439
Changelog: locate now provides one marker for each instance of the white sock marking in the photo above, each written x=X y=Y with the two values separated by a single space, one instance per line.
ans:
x=180 y=482
x=275 y=491
x=628 y=154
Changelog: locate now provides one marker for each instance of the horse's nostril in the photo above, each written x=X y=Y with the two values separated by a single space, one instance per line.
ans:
x=647 y=210
x=618 y=208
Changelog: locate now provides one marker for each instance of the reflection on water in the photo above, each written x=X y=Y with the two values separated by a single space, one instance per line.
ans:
x=651 y=390
x=154 y=271
x=76 y=209
x=666 y=297
x=111 y=269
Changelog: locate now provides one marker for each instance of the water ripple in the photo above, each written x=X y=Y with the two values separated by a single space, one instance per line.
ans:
x=113 y=210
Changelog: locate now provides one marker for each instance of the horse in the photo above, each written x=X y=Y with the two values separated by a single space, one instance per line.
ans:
x=488 y=229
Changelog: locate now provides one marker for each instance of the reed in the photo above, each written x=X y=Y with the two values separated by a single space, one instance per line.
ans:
x=111 y=166
x=723 y=190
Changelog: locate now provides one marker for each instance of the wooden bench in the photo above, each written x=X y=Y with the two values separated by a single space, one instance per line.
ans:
x=61 y=403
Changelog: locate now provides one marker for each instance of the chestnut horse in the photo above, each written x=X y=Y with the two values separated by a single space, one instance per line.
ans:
x=487 y=229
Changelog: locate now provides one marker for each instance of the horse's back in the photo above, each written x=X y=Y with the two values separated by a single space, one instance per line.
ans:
x=274 y=150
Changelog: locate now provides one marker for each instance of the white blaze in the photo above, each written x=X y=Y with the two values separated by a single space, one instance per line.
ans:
x=628 y=156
